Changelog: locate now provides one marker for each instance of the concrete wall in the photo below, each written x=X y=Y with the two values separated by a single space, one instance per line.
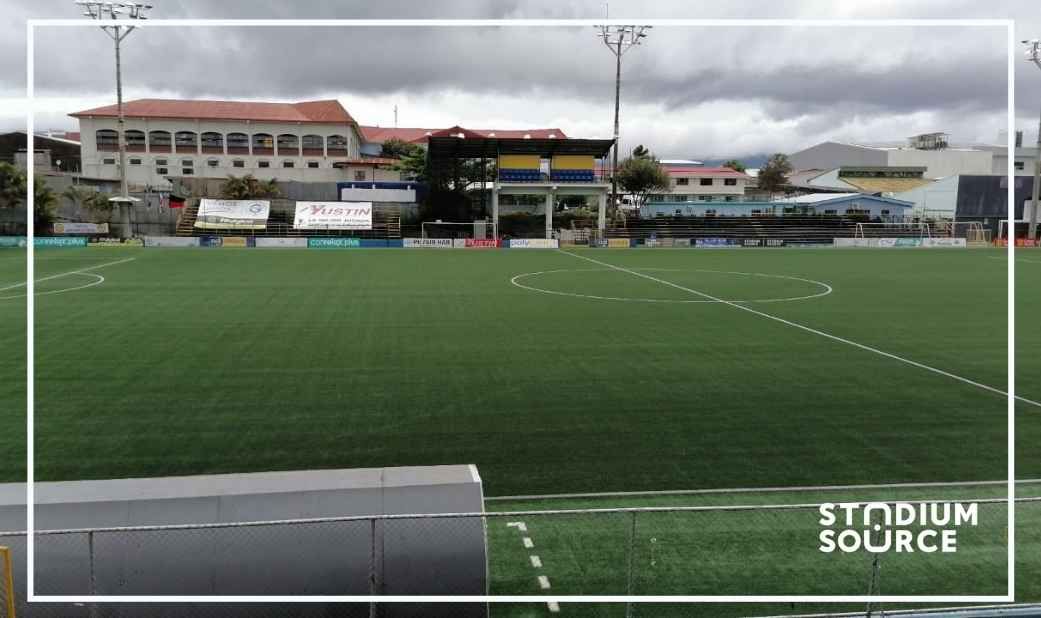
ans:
x=943 y=163
x=411 y=556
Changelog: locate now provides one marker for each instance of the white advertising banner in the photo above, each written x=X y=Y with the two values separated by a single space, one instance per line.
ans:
x=427 y=243
x=81 y=228
x=333 y=216
x=233 y=214
x=944 y=242
x=533 y=243
x=281 y=242
x=171 y=241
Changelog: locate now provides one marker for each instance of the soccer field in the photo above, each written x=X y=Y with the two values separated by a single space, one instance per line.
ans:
x=588 y=378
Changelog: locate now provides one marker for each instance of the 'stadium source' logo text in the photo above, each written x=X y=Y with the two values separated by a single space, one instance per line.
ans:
x=902 y=527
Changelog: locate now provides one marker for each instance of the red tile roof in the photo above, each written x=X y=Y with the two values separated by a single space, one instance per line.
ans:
x=378 y=135
x=329 y=111
x=706 y=171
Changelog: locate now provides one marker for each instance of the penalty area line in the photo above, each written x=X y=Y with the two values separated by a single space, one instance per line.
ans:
x=71 y=272
x=807 y=329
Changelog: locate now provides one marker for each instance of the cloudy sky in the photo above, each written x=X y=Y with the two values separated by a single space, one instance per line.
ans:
x=688 y=92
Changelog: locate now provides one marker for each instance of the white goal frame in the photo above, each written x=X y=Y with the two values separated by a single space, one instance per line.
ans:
x=923 y=229
x=486 y=226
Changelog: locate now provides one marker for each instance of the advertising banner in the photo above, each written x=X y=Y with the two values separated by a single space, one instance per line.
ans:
x=333 y=216
x=1020 y=242
x=681 y=242
x=944 y=242
x=281 y=242
x=235 y=242
x=715 y=242
x=427 y=243
x=618 y=243
x=533 y=243
x=13 y=241
x=333 y=243
x=773 y=242
x=481 y=243
x=210 y=241
x=171 y=241
x=238 y=214
x=111 y=242
x=81 y=228
x=751 y=242
x=59 y=241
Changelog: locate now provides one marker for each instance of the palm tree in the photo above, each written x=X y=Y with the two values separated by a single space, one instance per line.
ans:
x=248 y=187
x=12 y=186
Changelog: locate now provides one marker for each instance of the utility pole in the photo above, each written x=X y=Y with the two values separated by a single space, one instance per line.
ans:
x=118 y=10
x=1033 y=54
x=619 y=39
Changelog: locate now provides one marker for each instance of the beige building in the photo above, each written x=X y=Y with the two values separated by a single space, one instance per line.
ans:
x=310 y=141
x=689 y=181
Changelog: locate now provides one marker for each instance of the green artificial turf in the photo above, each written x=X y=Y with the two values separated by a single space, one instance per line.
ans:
x=198 y=361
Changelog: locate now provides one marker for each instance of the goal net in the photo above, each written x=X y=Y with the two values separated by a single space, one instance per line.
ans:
x=918 y=229
x=457 y=229
x=972 y=231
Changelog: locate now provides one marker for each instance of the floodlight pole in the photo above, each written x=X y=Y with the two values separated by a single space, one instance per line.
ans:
x=1034 y=55
x=619 y=39
x=114 y=10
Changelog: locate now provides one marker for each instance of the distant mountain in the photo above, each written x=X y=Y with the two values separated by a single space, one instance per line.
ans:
x=756 y=160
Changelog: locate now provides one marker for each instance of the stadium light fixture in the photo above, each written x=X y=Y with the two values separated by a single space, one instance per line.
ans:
x=1033 y=54
x=619 y=39
x=118 y=10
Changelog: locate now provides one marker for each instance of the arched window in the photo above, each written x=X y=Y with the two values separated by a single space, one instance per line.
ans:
x=159 y=141
x=185 y=141
x=288 y=145
x=106 y=139
x=263 y=144
x=212 y=142
x=135 y=141
x=314 y=145
x=337 y=145
x=238 y=143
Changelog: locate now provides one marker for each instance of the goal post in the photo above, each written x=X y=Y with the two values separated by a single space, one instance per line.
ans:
x=916 y=229
x=458 y=229
x=6 y=584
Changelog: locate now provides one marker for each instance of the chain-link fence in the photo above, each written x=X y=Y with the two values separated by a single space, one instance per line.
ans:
x=652 y=551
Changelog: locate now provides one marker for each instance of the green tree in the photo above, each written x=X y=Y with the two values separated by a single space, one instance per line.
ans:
x=44 y=200
x=774 y=175
x=12 y=186
x=95 y=202
x=414 y=165
x=641 y=176
x=735 y=165
x=249 y=188
x=641 y=152
x=395 y=148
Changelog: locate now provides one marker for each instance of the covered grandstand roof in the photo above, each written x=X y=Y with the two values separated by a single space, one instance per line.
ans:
x=820 y=198
x=327 y=111
x=378 y=135
x=480 y=147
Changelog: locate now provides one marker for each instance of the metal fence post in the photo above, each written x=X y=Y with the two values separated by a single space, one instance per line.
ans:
x=372 y=567
x=93 y=577
x=629 y=569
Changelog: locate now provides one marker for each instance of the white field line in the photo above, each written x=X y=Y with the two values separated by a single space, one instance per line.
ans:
x=536 y=562
x=1024 y=260
x=98 y=280
x=71 y=272
x=808 y=329
x=528 y=543
x=554 y=607
x=753 y=490
x=543 y=582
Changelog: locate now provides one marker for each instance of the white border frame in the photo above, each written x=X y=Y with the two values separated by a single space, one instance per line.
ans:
x=31 y=24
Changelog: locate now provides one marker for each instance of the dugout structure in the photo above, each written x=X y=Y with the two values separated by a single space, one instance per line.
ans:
x=549 y=168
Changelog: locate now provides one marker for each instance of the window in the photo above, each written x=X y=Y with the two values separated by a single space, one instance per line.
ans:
x=288 y=144
x=313 y=145
x=683 y=181
x=187 y=171
x=730 y=182
x=312 y=164
x=108 y=161
x=162 y=171
x=187 y=163
x=212 y=162
x=135 y=161
x=263 y=163
x=212 y=142
x=263 y=143
x=106 y=139
x=706 y=182
x=730 y=198
x=160 y=161
x=238 y=143
x=831 y=212
x=885 y=212
x=238 y=163
x=337 y=145
x=185 y=141
x=711 y=212
x=1019 y=165
x=287 y=164
x=159 y=141
x=135 y=141
x=359 y=174
x=704 y=198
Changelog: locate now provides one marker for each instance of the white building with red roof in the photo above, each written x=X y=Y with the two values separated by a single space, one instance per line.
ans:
x=305 y=141
x=689 y=181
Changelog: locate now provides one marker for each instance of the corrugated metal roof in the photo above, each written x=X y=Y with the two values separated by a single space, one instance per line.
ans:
x=328 y=111
x=378 y=135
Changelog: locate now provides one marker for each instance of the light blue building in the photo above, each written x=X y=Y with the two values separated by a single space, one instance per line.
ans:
x=837 y=204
